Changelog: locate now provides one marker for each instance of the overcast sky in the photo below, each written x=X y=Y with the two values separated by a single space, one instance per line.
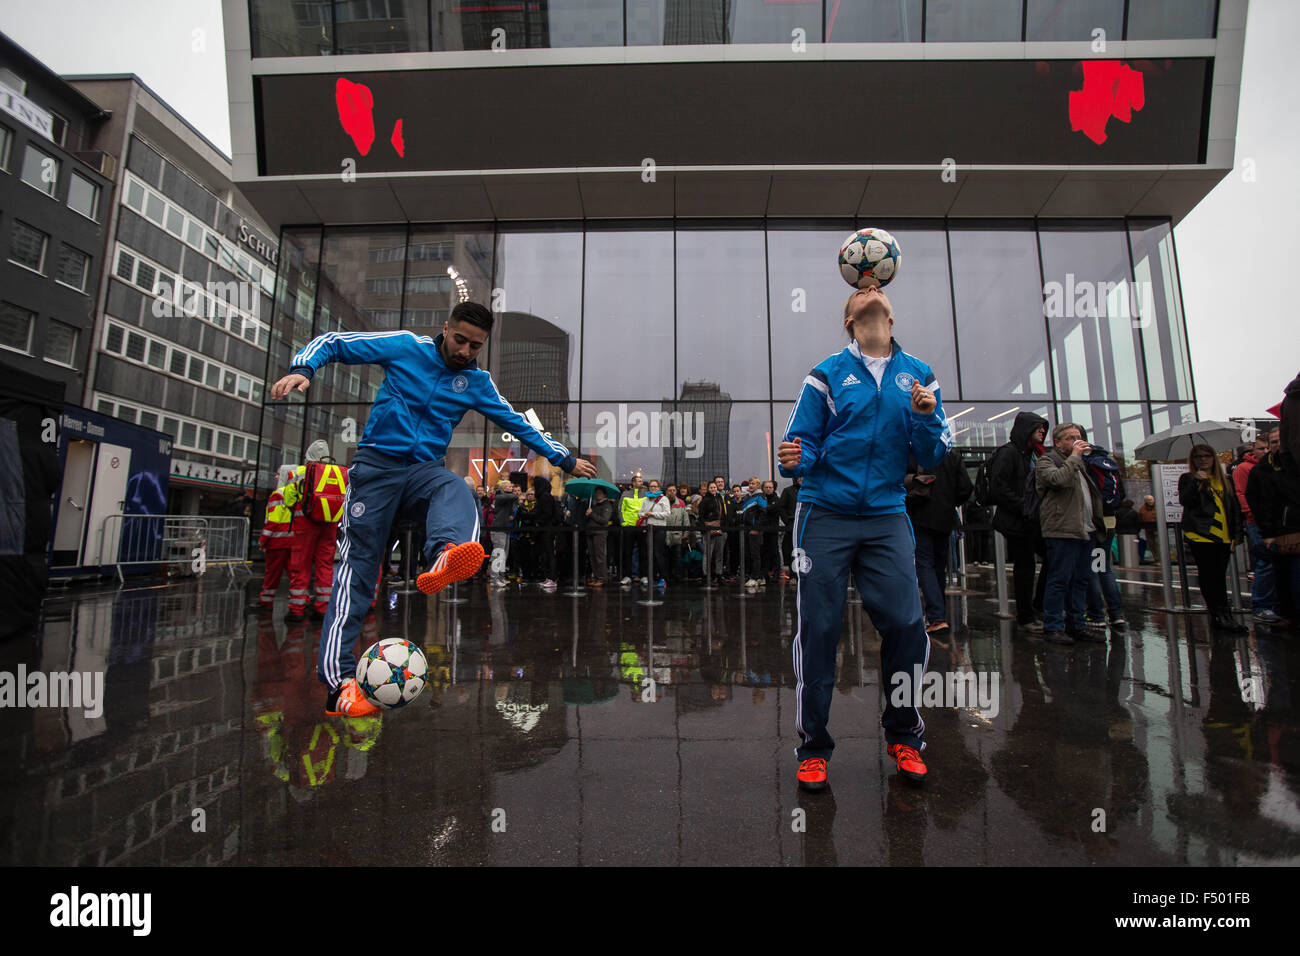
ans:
x=1235 y=249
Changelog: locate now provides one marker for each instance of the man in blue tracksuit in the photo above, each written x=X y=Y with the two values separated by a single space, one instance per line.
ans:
x=859 y=415
x=429 y=385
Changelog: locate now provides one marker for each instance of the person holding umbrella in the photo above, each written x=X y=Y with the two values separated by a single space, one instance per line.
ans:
x=600 y=512
x=1211 y=526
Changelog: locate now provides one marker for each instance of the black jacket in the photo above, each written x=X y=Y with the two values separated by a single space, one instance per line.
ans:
x=1199 y=509
x=1273 y=493
x=935 y=509
x=1008 y=469
x=789 y=501
x=503 y=509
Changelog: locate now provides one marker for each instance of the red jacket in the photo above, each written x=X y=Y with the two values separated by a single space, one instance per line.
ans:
x=1240 y=475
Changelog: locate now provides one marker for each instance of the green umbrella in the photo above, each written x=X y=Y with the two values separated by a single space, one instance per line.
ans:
x=586 y=487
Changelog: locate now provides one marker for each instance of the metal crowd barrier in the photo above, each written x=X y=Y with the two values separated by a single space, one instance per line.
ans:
x=184 y=544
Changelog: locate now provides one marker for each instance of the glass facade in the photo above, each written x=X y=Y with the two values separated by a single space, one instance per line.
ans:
x=322 y=27
x=678 y=349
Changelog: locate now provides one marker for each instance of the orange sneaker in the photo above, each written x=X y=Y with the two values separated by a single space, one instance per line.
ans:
x=350 y=701
x=910 y=764
x=456 y=563
x=812 y=774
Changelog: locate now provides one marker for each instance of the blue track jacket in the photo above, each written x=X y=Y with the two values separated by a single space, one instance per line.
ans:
x=856 y=436
x=421 y=400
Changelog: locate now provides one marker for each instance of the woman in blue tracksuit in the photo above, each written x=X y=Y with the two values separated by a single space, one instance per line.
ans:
x=859 y=415
x=429 y=385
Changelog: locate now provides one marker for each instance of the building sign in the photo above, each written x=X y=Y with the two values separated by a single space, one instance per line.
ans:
x=259 y=245
x=26 y=112
x=990 y=112
x=212 y=474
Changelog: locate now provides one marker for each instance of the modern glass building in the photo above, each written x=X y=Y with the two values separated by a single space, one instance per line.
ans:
x=651 y=196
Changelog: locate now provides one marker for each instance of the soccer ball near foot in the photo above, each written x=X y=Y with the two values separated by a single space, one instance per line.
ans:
x=392 y=672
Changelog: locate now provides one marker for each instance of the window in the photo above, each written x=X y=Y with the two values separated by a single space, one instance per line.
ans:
x=205 y=439
x=28 y=247
x=83 y=196
x=148 y=419
x=58 y=128
x=71 y=270
x=175 y=221
x=228 y=384
x=177 y=366
x=145 y=276
x=113 y=338
x=16 y=327
x=250 y=453
x=157 y=355
x=213 y=377
x=135 y=346
x=40 y=170
x=170 y=426
x=985 y=20
x=257 y=392
x=154 y=208
x=12 y=80
x=6 y=140
x=223 y=443
x=244 y=387
x=104 y=408
x=126 y=413
x=250 y=331
x=196 y=369
x=188 y=430
x=135 y=195
x=61 y=344
x=236 y=446
x=125 y=266
x=194 y=234
x=211 y=245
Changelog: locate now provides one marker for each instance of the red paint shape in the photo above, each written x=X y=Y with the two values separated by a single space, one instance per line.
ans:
x=356 y=112
x=398 y=143
x=1109 y=89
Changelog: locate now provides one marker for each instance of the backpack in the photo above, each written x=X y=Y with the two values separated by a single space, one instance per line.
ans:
x=1105 y=475
x=1030 y=501
x=324 y=487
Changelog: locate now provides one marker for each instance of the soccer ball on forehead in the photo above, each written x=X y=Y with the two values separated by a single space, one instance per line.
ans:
x=392 y=672
x=869 y=257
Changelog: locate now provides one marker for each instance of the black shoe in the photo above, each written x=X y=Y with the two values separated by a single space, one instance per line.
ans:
x=1030 y=627
x=1223 y=621
x=316 y=615
x=295 y=617
x=1057 y=637
x=1118 y=624
x=1089 y=634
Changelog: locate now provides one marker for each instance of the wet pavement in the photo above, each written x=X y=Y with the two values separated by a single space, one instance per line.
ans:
x=596 y=731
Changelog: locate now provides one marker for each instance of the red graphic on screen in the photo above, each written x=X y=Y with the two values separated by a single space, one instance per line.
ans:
x=1109 y=89
x=355 y=104
x=398 y=143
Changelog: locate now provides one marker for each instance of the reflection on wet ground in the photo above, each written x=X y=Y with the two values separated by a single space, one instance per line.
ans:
x=596 y=730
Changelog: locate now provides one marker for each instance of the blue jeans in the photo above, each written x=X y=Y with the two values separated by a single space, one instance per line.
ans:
x=1069 y=566
x=1263 y=591
x=1103 y=587
x=931 y=569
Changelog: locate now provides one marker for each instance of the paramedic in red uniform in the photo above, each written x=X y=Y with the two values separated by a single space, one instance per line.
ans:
x=322 y=487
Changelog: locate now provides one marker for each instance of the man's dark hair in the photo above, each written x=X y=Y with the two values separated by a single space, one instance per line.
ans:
x=473 y=313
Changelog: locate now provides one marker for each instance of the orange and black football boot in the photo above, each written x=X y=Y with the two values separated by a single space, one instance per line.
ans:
x=910 y=764
x=812 y=774
x=349 y=700
x=456 y=563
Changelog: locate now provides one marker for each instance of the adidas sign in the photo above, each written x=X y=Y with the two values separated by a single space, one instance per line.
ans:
x=851 y=380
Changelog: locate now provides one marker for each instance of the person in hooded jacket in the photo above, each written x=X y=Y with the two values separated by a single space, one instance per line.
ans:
x=1008 y=469
x=933 y=497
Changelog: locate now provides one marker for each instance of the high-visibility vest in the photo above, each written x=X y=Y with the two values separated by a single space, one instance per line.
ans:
x=277 y=532
x=630 y=507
